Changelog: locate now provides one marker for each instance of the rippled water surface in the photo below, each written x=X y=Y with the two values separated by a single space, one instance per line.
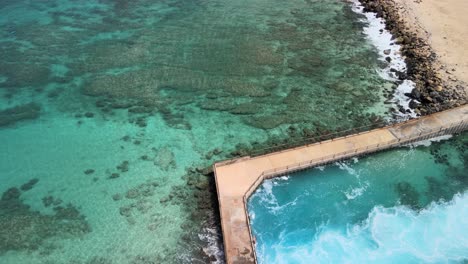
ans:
x=110 y=111
x=408 y=205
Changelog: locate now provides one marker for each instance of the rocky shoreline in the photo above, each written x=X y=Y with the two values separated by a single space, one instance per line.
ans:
x=435 y=89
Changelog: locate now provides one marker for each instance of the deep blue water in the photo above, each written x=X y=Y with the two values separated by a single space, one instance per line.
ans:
x=408 y=205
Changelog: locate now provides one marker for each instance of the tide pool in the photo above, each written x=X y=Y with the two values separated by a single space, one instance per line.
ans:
x=112 y=112
x=407 y=205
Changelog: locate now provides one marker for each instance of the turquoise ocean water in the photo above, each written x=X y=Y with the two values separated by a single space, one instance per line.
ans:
x=408 y=205
x=110 y=111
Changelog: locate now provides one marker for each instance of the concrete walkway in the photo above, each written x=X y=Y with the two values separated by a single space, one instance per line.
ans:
x=237 y=179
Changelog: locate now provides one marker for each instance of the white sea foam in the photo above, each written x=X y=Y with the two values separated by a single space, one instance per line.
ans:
x=356 y=192
x=212 y=237
x=320 y=168
x=268 y=199
x=428 y=142
x=278 y=180
x=382 y=40
x=348 y=169
x=284 y=178
x=437 y=234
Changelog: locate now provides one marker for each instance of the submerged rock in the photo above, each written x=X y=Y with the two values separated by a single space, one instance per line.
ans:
x=11 y=194
x=123 y=167
x=132 y=194
x=19 y=113
x=165 y=159
x=29 y=185
x=89 y=171
x=99 y=260
x=125 y=211
x=48 y=200
x=22 y=229
x=408 y=195
x=114 y=175
x=117 y=197
x=266 y=122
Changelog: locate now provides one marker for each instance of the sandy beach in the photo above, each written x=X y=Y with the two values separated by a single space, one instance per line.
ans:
x=444 y=24
x=432 y=35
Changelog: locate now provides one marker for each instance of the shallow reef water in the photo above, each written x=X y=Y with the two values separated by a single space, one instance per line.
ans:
x=407 y=205
x=118 y=108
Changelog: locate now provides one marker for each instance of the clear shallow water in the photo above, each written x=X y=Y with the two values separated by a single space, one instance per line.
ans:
x=110 y=110
x=408 y=205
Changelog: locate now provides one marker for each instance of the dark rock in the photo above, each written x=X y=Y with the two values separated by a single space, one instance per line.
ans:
x=89 y=115
x=99 y=260
x=402 y=110
x=140 y=110
x=101 y=103
x=427 y=99
x=205 y=170
x=19 y=113
x=117 y=197
x=415 y=94
x=67 y=212
x=55 y=93
x=125 y=211
x=57 y=202
x=143 y=206
x=29 y=185
x=165 y=159
x=123 y=167
x=217 y=151
x=120 y=105
x=48 y=200
x=408 y=194
x=22 y=229
x=89 y=171
x=11 y=194
x=141 y=122
x=413 y=104
x=132 y=194
x=209 y=155
x=202 y=185
x=152 y=226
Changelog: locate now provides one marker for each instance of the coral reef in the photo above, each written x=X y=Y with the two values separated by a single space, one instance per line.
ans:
x=165 y=159
x=24 y=229
x=19 y=113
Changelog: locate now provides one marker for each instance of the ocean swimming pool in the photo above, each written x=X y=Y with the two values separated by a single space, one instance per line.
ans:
x=407 y=205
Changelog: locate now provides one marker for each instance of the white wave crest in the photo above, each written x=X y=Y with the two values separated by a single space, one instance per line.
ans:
x=382 y=41
x=437 y=234
x=428 y=142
